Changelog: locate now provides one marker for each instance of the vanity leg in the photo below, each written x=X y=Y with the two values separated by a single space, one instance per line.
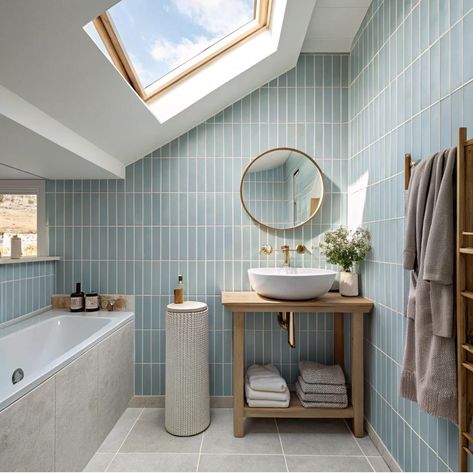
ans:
x=357 y=378
x=338 y=340
x=238 y=373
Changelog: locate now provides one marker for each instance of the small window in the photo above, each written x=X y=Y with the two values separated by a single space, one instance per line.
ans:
x=156 y=44
x=22 y=213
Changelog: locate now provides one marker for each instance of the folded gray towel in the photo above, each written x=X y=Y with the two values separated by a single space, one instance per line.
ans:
x=329 y=398
x=317 y=373
x=308 y=404
x=309 y=388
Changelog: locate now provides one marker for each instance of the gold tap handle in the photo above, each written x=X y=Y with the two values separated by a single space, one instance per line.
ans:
x=266 y=250
x=298 y=249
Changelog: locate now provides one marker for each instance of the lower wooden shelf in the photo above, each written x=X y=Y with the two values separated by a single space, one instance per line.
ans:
x=297 y=410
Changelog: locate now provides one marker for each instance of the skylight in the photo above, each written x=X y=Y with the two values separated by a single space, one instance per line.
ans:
x=157 y=43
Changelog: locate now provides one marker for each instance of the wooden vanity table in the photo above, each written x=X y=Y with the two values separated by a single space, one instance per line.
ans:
x=241 y=302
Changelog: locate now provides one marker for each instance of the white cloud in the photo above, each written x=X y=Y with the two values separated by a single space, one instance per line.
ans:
x=176 y=53
x=218 y=17
x=146 y=75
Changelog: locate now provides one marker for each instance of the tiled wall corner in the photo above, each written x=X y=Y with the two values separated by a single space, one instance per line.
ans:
x=411 y=87
x=179 y=210
x=25 y=287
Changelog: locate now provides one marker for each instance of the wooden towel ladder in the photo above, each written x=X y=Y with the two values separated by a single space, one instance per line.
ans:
x=464 y=294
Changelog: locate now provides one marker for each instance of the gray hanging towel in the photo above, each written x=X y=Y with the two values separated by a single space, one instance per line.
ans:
x=429 y=369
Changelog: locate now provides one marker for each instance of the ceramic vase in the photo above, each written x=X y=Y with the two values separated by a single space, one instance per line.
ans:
x=348 y=284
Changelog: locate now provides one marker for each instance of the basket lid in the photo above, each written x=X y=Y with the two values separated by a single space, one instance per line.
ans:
x=188 y=306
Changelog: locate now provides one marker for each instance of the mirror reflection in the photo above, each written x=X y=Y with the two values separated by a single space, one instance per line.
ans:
x=282 y=188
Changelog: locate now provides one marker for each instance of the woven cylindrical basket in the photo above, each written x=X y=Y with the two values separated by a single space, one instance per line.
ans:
x=187 y=369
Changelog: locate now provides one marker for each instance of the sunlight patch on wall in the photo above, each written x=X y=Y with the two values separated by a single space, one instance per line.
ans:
x=356 y=202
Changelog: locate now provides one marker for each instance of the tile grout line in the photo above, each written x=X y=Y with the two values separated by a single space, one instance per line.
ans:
x=309 y=455
x=200 y=450
x=358 y=444
x=402 y=417
x=280 y=442
x=369 y=463
x=125 y=439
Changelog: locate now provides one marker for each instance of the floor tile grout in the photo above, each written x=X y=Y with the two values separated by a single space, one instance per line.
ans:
x=370 y=464
x=200 y=450
x=125 y=438
x=245 y=454
x=120 y=456
x=282 y=447
x=358 y=444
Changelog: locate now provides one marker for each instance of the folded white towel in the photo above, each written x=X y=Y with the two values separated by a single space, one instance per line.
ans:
x=265 y=378
x=262 y=370
x=266 y=395
x=261 y=403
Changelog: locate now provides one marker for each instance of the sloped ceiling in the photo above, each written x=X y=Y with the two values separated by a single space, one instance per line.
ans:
x=58 y=89
x=334 y=24
x=8 y=172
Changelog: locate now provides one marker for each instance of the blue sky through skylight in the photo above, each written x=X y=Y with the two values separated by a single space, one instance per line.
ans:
x=160 y=35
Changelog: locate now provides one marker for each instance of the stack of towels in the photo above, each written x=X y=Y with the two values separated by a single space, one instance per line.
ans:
x=264 y=387
x=320 y=385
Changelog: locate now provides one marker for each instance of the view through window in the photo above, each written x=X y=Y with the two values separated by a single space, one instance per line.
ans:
x=160 y=36
x=18 y=216
x=155 y=44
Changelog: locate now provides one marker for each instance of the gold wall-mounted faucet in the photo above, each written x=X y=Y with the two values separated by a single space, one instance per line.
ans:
x=268 y=249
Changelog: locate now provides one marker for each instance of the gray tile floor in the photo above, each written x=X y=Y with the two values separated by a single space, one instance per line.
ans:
x=139 y=442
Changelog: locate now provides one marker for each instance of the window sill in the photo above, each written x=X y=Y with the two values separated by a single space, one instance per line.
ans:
x=28 y=259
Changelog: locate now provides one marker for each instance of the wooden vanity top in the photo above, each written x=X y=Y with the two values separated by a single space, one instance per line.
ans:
x=249 y=301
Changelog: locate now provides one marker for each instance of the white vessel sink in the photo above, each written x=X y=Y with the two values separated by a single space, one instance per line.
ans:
x=292 y=284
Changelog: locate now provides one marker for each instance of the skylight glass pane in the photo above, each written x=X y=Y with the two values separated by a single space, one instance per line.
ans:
x=159 y=36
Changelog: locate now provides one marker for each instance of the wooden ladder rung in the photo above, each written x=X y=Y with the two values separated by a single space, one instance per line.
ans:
x=466 y=251
x=467 y=233
x=468 y=366
x=468 y=436
x=468 y=347
x=467 y=450
x=467 y=294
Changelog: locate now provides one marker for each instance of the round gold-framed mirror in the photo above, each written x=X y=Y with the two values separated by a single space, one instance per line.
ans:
x=282 y=188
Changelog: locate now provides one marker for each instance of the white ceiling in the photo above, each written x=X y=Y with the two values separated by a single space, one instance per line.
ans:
x=8 y=172
x=28 y=151
x=334 y=24
x=72 y=115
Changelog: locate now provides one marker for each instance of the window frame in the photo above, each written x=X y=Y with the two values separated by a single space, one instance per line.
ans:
x=108 y=34
x=38 y=188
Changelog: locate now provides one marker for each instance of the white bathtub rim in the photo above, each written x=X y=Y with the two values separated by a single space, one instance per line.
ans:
x=49 y=370
x=22 y=318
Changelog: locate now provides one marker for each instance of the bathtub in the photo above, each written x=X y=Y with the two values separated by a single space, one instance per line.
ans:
x=42 y=347
x=48 y=361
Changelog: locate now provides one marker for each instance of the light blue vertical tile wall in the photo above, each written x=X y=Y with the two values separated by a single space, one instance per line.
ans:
x=179 y=211
x=25 y=287
x=410 y=89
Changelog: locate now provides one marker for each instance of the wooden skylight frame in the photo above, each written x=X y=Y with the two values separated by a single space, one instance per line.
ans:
x=111 y=40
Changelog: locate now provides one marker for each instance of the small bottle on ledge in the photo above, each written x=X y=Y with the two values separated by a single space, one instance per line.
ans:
x=77 y=299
